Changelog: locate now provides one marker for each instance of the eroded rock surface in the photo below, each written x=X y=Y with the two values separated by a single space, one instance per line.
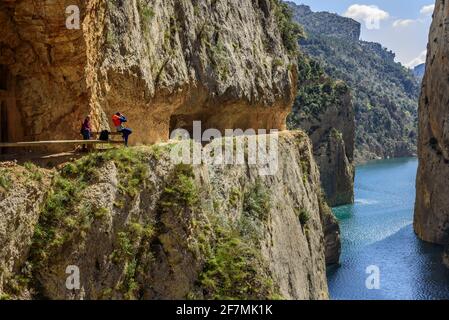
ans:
x=332 y=135
x=139 y=227
x=162 y=63
x=22 y=192
x=432 y=200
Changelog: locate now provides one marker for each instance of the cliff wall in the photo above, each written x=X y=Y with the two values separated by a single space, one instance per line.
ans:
x=432 y=201
x=162 y=63
x=140 y=227
x=324 y=109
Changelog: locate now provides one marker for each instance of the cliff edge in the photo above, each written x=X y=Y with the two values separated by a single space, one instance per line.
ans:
x=432 y=201
x=137 y=226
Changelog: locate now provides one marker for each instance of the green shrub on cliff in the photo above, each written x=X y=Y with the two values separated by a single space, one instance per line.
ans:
x=291 y=31
x=181 y=191
x=303 y=216
x=130 y=242
x=235 y=268
x=5 y=181
x=256 y=203
x=316 y=92
x=146 y=13
x=65 y=216
x=236 y=271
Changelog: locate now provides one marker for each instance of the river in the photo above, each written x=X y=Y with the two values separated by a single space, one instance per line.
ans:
x=378 y=231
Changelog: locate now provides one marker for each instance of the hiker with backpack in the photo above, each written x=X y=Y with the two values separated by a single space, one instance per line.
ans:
x=119 y=119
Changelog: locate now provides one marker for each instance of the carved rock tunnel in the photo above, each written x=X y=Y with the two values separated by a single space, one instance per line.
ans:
x=10 y=127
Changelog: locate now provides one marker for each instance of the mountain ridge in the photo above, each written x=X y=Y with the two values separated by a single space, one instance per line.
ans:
x=385 y=93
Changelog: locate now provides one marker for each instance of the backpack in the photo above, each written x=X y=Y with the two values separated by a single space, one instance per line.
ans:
x=104 y=135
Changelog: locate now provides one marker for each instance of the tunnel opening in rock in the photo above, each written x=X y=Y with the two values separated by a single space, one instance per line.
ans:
x=3 y=125
x=184 y=122
x=4 y=74
x=11 y=127
x=3 y=77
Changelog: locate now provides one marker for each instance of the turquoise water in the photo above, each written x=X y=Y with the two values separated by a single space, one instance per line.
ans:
x=378 y=230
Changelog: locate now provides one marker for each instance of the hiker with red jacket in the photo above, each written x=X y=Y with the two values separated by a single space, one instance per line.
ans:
x=119 y=119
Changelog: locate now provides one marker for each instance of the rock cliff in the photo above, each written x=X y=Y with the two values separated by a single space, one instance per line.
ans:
x=22 y=192
x=432 y=201
x=324 y=109
x=137 y=226
x=163 y=63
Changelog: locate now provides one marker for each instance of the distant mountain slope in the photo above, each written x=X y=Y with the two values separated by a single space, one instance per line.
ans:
x=419 y=71
x=385 y=93
x=326 y=23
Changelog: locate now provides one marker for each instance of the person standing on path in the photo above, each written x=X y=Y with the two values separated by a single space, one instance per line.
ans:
x=86 y=131
x=119 y=119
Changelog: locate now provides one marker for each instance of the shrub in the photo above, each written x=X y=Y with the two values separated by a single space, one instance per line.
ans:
x=291 y=32
x=5 y=180
x=236 y=271
x=256 y=202
x=304 y=216
x=181 y=191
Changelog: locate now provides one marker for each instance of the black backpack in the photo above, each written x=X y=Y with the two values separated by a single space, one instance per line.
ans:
x=104 y=135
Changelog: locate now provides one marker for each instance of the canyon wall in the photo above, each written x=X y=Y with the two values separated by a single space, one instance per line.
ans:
x=163 y=63
x=137 y=226
x=323 y=108
x=432 y=201
x=332 y=136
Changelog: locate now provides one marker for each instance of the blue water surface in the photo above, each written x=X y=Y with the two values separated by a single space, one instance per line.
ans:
x=378 y=231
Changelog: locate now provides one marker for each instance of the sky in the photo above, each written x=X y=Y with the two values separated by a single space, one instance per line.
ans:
x=399 y=25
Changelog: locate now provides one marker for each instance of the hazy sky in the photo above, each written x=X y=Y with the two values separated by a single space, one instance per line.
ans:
x=403 y=25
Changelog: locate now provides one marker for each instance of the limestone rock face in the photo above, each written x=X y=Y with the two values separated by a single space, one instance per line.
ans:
x=162 y=63
x=165 y=231
x=324 y=109
x=22 y=193
x=332 y=134
x=432 y=201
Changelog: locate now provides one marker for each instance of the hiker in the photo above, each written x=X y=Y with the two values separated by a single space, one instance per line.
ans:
x=86 y=131
x=118 y=119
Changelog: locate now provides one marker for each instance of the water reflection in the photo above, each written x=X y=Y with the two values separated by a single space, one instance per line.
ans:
x=377 y=230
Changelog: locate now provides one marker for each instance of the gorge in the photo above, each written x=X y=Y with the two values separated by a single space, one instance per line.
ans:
x=138 y=225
